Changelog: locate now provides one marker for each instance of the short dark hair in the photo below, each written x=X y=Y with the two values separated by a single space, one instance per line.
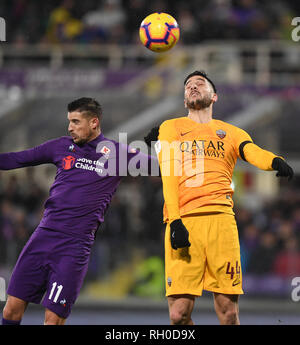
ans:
x=88 y=105
x=202 y=74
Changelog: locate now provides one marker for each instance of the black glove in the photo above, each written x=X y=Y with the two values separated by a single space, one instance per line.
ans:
x=283 y=168
x=151 y=136
x=179 y=235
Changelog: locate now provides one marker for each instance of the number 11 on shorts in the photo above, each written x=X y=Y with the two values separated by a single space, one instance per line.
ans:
x=59 y=288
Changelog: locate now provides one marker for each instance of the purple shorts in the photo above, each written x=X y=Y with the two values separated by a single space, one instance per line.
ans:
x=51 y=268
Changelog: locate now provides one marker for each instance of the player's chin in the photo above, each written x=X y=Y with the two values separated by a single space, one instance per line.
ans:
x=79 y=141
x=194 y=104
x=195 y=98
x=199 y=104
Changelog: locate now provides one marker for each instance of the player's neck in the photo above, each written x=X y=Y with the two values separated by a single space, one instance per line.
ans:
x=200 y=116
x=95 y=135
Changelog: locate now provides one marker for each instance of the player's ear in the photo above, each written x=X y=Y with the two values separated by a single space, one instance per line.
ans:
x=214 y=98
x=185 y=103
x=95 y=122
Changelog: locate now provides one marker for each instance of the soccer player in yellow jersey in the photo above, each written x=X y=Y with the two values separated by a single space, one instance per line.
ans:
x=197 y=155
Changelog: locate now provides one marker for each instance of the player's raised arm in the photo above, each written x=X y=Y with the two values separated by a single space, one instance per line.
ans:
x=262 y=159
x=169 y=162
x=169 y=157
x=34 y=156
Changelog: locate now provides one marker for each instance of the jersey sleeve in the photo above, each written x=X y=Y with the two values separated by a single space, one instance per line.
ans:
x=34 y=156
x=242 y=138
x=252 y=153
x=169 y=157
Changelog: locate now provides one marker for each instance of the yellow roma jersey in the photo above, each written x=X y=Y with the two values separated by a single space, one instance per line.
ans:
x=197 y=162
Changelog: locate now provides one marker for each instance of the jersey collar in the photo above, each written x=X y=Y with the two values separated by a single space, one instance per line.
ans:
x=95 y=141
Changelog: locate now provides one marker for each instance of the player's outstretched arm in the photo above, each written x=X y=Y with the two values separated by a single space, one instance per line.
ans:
x=37 y=155
x=170 y=164
x=265 y=160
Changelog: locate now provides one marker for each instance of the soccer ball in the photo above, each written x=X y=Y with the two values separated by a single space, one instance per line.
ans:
x=159 y=32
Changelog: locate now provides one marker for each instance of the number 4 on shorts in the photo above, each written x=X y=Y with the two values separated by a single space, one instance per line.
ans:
x=230 y=269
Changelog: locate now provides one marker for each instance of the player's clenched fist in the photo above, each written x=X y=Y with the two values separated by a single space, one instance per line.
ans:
x=179 y=235
x=284 y=170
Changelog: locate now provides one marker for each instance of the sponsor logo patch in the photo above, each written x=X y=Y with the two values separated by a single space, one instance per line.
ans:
x=68 y=162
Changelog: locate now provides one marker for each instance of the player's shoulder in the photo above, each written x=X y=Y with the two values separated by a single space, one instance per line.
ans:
x=228 y=127
x=175 y=125
x=58 y=140
x=65 y=138
x=62 y=140
x=170 y=129
x=224 y=124
x=232 y=132
x=110 y=142
x=116 y=146
x=176 y=121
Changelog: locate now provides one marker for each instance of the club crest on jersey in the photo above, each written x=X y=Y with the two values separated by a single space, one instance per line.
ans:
x=105 y=150
x=221 y=134
x=68 y=162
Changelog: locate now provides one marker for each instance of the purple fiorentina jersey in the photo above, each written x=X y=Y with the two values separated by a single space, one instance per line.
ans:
x=86 y=179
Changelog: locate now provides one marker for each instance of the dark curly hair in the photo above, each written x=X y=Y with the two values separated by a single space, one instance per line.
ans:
x=86 y=105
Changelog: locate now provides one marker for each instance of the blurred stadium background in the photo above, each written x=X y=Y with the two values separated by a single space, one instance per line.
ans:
x=56 y=51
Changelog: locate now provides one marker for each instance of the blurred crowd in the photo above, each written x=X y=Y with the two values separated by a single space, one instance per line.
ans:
x=270 y=237
x=117 y=21
x=21 y=208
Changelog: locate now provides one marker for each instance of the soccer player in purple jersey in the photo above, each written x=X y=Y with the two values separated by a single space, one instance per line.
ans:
x=53 y=263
